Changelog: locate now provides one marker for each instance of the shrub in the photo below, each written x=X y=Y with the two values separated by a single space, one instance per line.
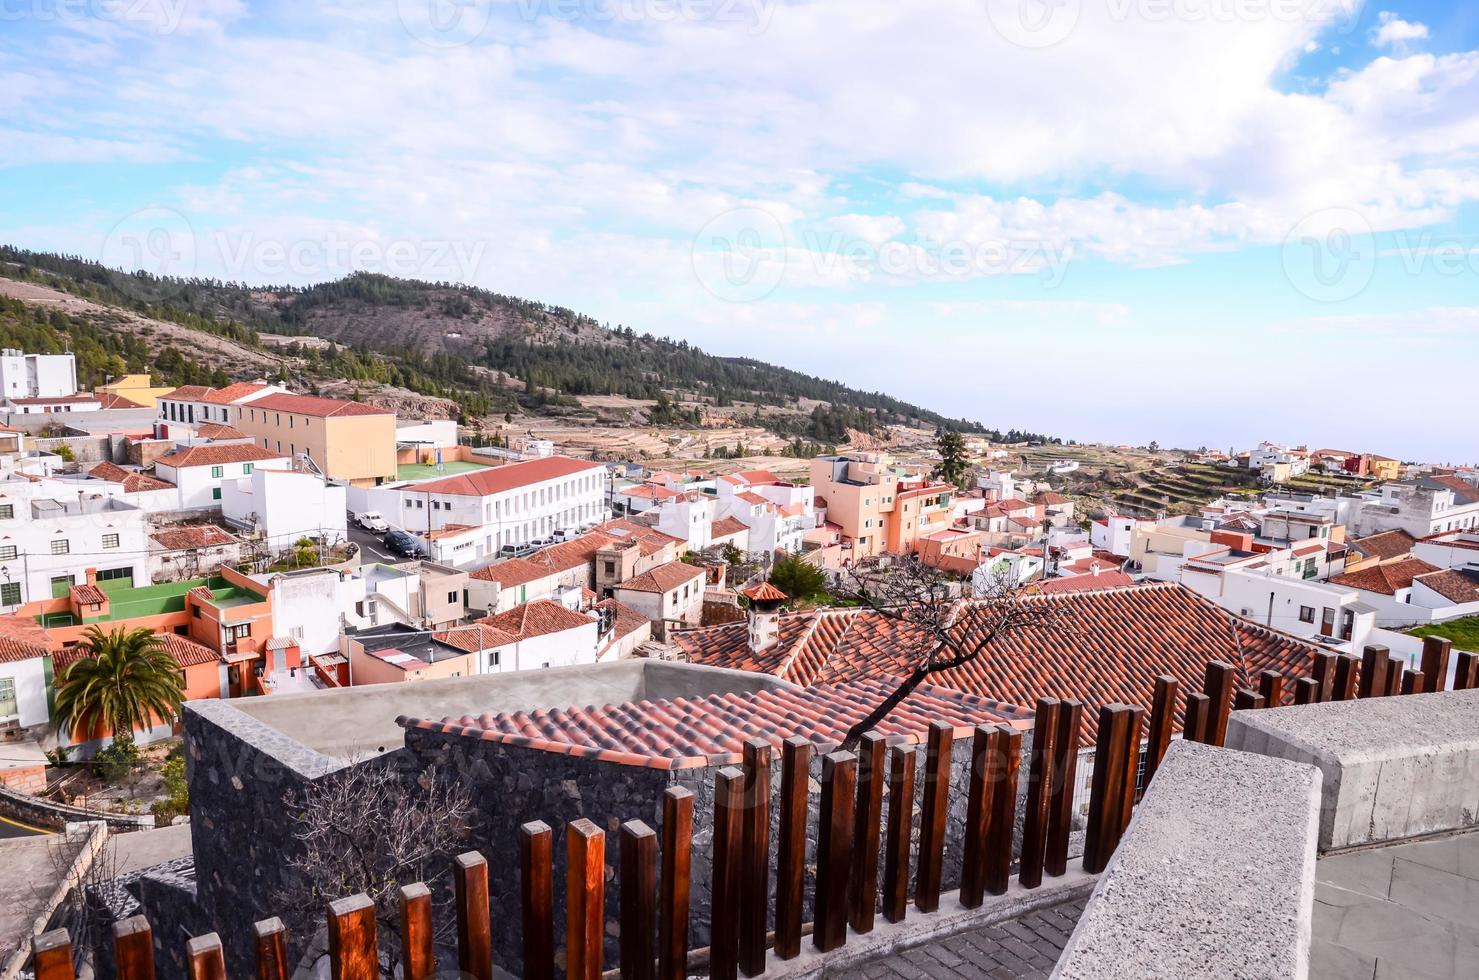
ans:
x=117 y=759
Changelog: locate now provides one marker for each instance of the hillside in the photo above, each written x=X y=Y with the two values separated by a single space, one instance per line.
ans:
x=494 y=355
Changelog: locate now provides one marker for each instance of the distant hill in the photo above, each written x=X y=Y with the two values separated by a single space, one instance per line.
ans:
x=489 y=352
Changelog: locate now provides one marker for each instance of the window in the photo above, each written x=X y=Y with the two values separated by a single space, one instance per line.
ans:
x=7 y=511
x=7 y=552
x=246 y=469
x=493 y=659
x=451 y=597
x=62 y=547
x=1306 y=614
x=217 y=472
x=8 y=706
x=110 y=541
x=295 y=632
x=10 y=594
x=242 y=632
x=215 y=493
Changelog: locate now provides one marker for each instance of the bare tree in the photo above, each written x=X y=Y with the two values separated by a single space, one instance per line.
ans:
x=937 y=630
x=371 y=829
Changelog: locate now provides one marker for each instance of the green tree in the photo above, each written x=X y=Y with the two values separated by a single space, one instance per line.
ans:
x=953 y=461
x=124 y=681
x=800 y=580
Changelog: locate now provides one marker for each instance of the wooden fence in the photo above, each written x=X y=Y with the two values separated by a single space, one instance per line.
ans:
x=863 y=854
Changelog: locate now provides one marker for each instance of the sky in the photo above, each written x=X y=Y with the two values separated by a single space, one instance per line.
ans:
x=1200 y=222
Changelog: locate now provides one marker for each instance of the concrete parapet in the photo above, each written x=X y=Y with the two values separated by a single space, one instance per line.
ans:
x=1394 y=767
x=1215 y=877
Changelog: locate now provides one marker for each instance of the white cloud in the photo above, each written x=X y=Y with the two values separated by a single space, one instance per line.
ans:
x=1393 y=31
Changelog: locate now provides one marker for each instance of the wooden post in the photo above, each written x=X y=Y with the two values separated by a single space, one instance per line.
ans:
x=204 y=959
x=1162 y=724
x=900 y=830
x=1412 y=682
x=1132 y=768
x=932 y=817
x=474 y=929
x=1324 y=674
x=834 y=850
x=1395 y=668
x=1271 y=686
x=51 y=956
x=1106 y=794
x=1374 y=663
x=867 y=822
x=537 y=899
x=1246 y=700
x=1005 y=762
x=1220 y=679
x=791 y=849
x=585 y=899
x=1436 y=651
x=1347 y=672
x=353 y=950
x=638 y=898
x=755 y=858
x=729 y=792
x=1306 y=691
x=133 y=949
x=1466 y=672
x=417 y=952
x=1194 y=723
x=977 y=819
x=1065 y=776
x=677 y=857
x=272 y=949
x=1039 y=791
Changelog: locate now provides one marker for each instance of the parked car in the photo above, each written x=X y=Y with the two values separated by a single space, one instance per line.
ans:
x=372 y=520
x=515 y=550
x=538 y=543
x=402 y=543
x=564 y=534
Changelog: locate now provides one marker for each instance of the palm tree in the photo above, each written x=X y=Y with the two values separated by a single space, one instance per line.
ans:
x=125 y=681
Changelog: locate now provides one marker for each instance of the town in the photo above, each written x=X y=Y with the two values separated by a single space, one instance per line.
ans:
x=168 y=555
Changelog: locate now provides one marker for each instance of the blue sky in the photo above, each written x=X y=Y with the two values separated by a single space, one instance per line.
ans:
x=1205 y=222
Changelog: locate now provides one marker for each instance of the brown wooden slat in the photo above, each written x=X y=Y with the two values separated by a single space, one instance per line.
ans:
x=537 y=899
x=1246 y=700
x=1005 y=761
x=353 y=949
x=932 y=817
x=977 y=819
x=585 y=899
x=474 y=929
x=1347 y=671
x=867 y=827
x=1306 y=691
x=729 y=803
x=133 y=948
x=1466 y=672
x=1271 y=687
x=834 y=850
x=51 y=956
x=1162 y=724
x=1065 y=773
x=755 y=857
x=1412 y=682
x=204 y=959
x=1039 y=790
x=1132 y=768
x=638 y=901
x=900 y=832
x=672 y=903
x=1375 y=660
x=1436 y=651
x=1106 y=793
x=1221 y=678
x=1194 y=724
x=1324 y=674
x=418 y=956
x=791 y=846
x=272 y=949
x=1395 y=668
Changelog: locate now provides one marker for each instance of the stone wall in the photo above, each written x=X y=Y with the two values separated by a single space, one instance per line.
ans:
x=55 y=816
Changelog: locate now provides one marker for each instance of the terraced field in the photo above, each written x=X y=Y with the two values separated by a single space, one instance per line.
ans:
x=1181 y=487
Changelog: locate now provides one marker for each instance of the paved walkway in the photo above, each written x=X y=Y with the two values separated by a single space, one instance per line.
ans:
x=1028 y=947
x=1408 y=910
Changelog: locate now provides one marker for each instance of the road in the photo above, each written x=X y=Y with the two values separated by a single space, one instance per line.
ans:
x=10 y=828
x=371 y=546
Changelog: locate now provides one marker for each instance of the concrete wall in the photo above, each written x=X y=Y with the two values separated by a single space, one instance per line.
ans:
x=1394 y=767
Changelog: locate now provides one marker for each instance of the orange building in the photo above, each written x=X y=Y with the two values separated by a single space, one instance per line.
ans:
x=876 y=505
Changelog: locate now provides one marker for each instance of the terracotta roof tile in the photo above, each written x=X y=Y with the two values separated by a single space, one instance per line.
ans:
x=192 y=538
x=323 y=408
x=764 y=592
x=187 y=652
x=112 y=401
x=131 y=481
x=215 y=430
x=627 y=620
x=232 y=392
x=725 y=526
x=189 y=393
x=663 y=578
x=536 y=618
x=694 y=732
x=1385 y=579
x=1085 y=583
x=500 y=479
x=217 y=455
x=1385 y=546
x=21 y=638
x=1458 y=587
x=87 y=595
x=475 y=638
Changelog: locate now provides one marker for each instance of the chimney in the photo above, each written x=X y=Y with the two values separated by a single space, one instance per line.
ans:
x=764 y=615
x=92 y=576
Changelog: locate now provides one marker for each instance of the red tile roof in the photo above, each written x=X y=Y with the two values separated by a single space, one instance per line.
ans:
x=58 y=400
x=322 y=408
x=725 y=526
x=189 y=393
x=192 y=538
x=764 y=592
x=131 y=481
x=215 y=430
x=663 y=578
x=475 y=638
x=1085 y=583
x=1385 y=579
x=187 y=652
x=1101 y=647
x=627 y=620
x=112 y=401
x=218 y=454
x=232 y=392
x=514 y=571
x=1456 y=586
x=1387 y=545
x=536 y=618
x=695 y=732
x=88 y=595
x=21 y=639
x=501 y=479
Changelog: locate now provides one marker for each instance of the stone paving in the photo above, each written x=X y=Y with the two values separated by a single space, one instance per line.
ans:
x=1025 y=947
x=1406 y=910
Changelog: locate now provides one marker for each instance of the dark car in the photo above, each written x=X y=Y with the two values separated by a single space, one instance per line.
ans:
x=402 y=543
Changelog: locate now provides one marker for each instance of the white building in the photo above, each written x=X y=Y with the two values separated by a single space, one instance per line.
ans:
x=669 y=595
x=1309 y=609
x=24 y=667
x=194 y=405
x=1114 y=534
x=1422 y=507
x=47 y=545
x=690 y=517
x=51 y=405
x=200 y=472
x=777 y=512
x=426 y=434
x=37 y=375
x=285 y=505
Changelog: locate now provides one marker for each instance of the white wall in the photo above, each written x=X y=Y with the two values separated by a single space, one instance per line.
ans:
x=29 y=677
x=1275 y=601
x=432 y=432
x=197 y=484
x=87 y=538
x=308 y=606
x=286 y=506
x=37 y=375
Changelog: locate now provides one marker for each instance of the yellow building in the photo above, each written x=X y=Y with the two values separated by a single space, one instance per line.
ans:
x=1384 y=468
x=348 y=441
x=137 y=388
